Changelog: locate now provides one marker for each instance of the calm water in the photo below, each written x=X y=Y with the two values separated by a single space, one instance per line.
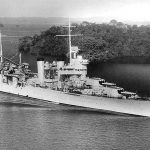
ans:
x=132 y=77
x=57 y=127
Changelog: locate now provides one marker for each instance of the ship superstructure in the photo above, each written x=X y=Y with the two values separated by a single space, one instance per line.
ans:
x=68 y=84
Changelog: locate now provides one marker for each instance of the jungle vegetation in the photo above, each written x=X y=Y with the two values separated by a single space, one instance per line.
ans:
x=97 y=42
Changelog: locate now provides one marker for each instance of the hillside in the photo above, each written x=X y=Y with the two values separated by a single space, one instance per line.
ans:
x=98 y=43
x=11 y=33
x=61 y=20
x=38 y=20
x=14 y=28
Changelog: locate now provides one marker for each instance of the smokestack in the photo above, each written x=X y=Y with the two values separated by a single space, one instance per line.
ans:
x=40 y=68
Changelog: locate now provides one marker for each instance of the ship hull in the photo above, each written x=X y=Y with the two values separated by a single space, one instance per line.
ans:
x=125 y=106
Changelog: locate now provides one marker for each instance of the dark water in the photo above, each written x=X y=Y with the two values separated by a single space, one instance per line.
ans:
x=24 y=127
x=132 y=77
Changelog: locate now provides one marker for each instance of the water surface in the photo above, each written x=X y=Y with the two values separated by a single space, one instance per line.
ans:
x=132 y=77
x=57 y=127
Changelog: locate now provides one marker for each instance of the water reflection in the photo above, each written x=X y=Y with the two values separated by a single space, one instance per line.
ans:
x=132 y=77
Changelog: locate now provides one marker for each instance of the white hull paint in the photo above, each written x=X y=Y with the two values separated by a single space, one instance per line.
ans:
x=134 y=107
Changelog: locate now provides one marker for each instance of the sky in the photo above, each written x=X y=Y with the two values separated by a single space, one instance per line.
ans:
x=123 y=10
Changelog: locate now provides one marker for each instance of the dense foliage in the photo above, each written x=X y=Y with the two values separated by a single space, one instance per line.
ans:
x=99 y=42
x=45 y=44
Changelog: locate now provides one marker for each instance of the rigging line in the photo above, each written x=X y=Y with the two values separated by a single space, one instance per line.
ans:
x=10 y=60
x=14 y=56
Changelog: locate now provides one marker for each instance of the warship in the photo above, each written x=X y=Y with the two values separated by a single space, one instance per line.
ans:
x=68 y=84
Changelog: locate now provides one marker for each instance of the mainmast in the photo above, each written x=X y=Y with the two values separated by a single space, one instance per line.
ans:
x=1 y=50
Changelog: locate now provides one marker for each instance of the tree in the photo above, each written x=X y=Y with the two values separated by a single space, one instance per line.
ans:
x=46 y=44
x=1 y=25
x=25 y=44
x=113 y=22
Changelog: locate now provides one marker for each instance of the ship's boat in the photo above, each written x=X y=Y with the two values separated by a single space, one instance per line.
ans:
x=68 y=84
